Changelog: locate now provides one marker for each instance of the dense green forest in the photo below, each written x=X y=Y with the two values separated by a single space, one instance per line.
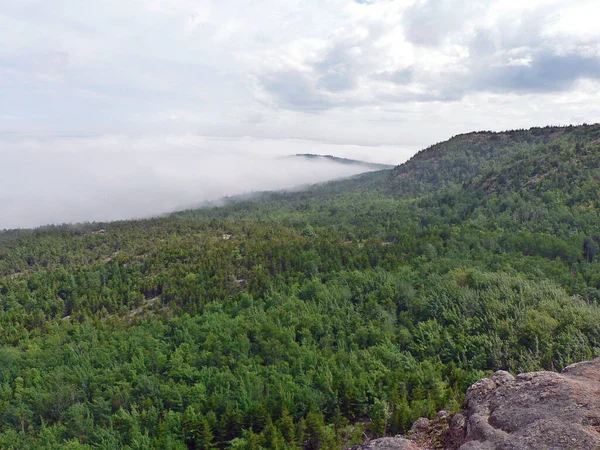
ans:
x=306 y=320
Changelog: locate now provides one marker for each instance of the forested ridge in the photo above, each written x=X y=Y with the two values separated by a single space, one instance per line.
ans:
x=306 y=320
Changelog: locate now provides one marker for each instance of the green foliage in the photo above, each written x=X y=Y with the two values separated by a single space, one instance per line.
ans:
x=244 y=327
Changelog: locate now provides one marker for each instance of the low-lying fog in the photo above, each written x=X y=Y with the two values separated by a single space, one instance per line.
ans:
x=63 y=180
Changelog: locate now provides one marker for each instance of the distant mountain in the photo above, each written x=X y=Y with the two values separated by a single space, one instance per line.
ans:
x=335 y=159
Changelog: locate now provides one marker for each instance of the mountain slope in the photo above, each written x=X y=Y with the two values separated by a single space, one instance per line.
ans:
x=338 y=160
x=454 y=162
x=305 y=319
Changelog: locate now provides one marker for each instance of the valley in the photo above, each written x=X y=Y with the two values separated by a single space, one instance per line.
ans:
x=310 y=319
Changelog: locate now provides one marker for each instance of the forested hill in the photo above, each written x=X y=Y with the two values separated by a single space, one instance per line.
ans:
x=338 y=160
x=306 y=320
x=485 y=154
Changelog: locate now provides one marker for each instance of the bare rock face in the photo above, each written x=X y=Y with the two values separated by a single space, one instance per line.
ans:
x=534 y=411
x=389 y=443
x=537 y=410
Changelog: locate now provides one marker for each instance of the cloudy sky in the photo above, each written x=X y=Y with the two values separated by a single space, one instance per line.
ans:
x=375 y=79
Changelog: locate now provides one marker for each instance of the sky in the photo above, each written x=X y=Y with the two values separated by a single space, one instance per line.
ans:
x=130 y=87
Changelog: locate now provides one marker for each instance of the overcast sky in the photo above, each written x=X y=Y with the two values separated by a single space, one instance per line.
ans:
x=378 y=79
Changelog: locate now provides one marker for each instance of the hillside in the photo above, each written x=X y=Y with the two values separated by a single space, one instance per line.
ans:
x=338 y=160
x=482 y=154
x=306 y=319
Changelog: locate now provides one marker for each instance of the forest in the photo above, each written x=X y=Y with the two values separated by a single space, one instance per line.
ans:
x=310 y=319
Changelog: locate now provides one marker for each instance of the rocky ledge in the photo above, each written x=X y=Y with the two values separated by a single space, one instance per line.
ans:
x=534 y=411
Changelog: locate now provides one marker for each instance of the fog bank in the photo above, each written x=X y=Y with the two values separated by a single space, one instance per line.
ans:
x=62 y=180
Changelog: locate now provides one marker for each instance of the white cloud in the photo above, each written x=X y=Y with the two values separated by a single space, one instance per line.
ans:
x=119 y=177
x=437 y=50
x=124 y=66
x=371 y=73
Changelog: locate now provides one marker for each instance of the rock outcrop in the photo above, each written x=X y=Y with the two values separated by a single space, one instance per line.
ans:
x=389 y=443
x=534 y=411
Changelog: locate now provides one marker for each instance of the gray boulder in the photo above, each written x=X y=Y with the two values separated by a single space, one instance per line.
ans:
x=389 y=443
x=534 y=411
x=537 y=410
